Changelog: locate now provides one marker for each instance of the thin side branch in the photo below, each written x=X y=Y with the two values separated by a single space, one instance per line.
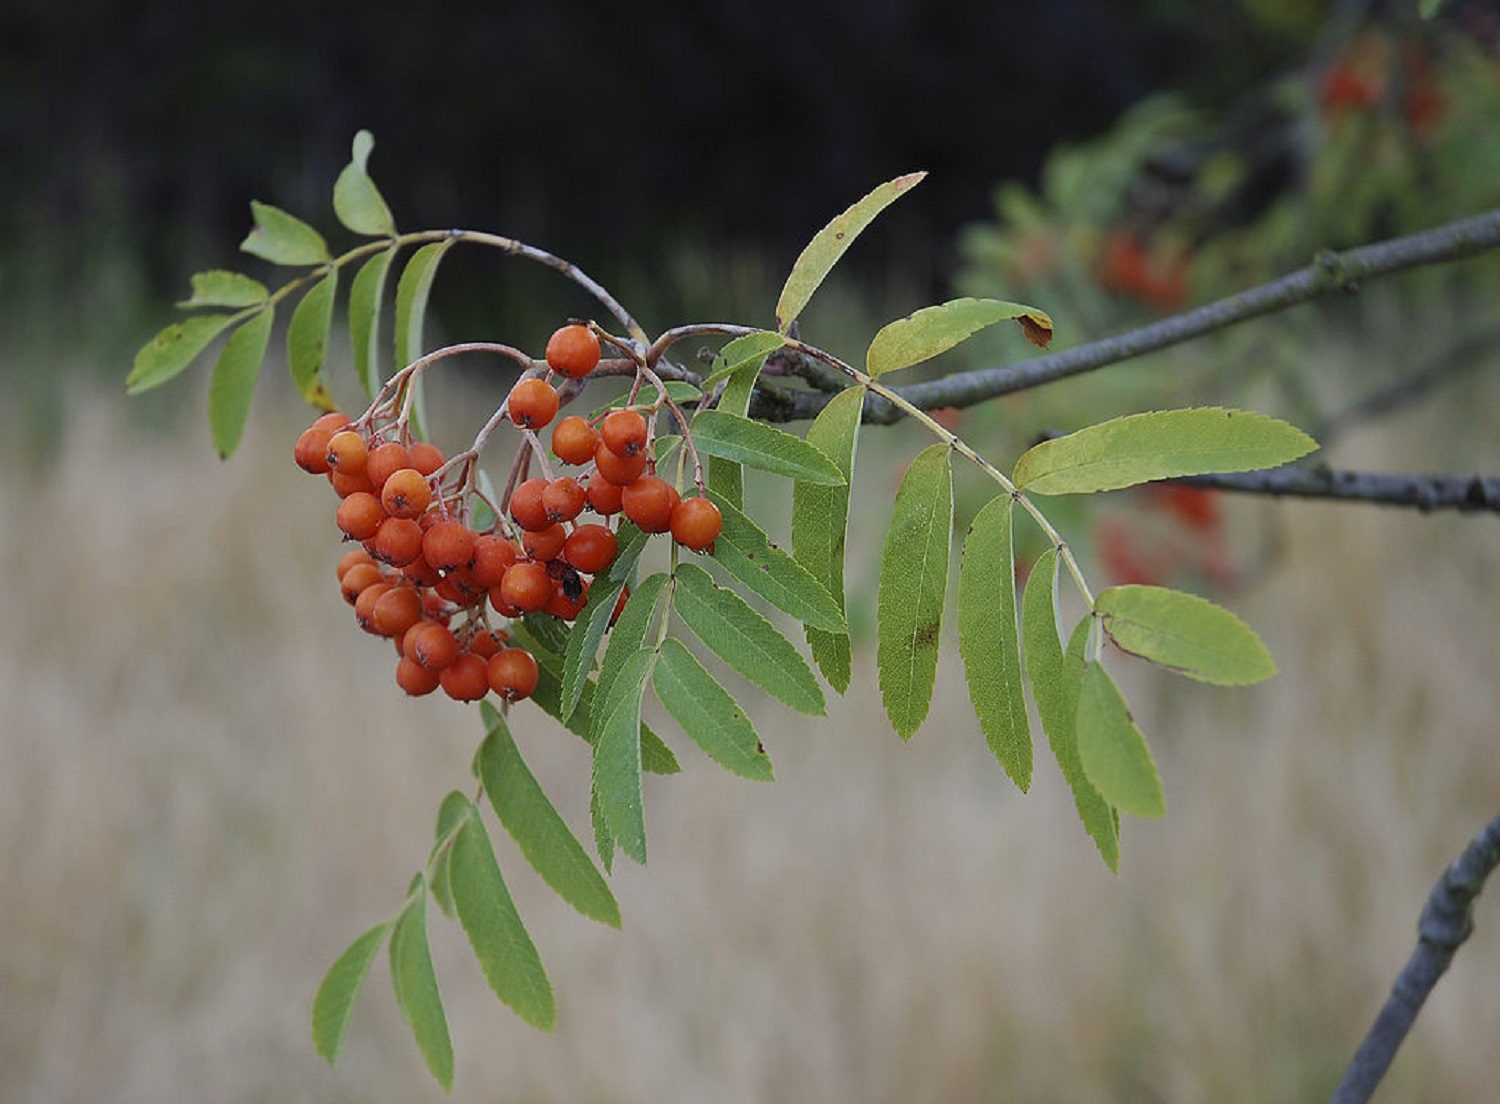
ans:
x=1331 y=273
x=1464 y=493
x=1446 y=923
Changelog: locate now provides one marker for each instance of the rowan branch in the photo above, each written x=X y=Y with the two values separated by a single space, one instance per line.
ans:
x=1446 y=922
x=1464 y=493
x=1330 y=273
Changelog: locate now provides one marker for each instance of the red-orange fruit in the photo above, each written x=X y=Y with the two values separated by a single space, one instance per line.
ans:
x=347 y=451
x=421 y=572
x=426 y=457
x=449 y=544
x=526 y=587
x=493 y=555
x=364 y=605
x=311 y=450
x=486 y=642
x=623 y=432
x=398 y=541
x=360 y=515
x=545 y=545
x=573 y=350
x=619 y=470
x=432 y=645
x=415 y=679
x=563 y=499
x=346 y=484
x=397 y=610
x=384 y=459
x=569 y=593
x=501 y=606
x=532 y=403
x=513 y=674
x=649 y=502
x=357 y=578
x=350 y=558
x=527 y=507
x=574 y=440
x=405 y=493
x=590 y=548
x=696 y=522
x=466 y=678
x=603 y=496
x=458 y=587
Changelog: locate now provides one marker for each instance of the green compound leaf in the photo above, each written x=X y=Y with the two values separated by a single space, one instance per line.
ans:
x=357 y=202
x=284 y=239
x=913 y=588
x=333 y=1007
x=1055 y=679
x=1112 y=749
x=746 y=441
x=584 y=640
x=366 y=295
x=416 y=986
x=617 y=755
x=829 y=243
x=820 y=526
x=174 y=348
x=744 y=551
x=1188 y=634
x=743 y=351
x=307 y=339
x=924 y=334
x=219 y=288
x=1163 y=444
x=990 y=641
x=233 y=381
x=451 y=813
x=746 y=641
x=629 y=635
x=708 y=713
x=604 y=840
x=489 y=918
x=543 y=836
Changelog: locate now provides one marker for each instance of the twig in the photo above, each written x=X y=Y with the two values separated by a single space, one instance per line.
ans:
x=1464 y=493
x=1331 y=273
x=1446 y=923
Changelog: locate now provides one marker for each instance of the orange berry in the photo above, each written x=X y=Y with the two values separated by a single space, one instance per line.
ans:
x=649 y=502
x=347 y=452
x=526 y=587
x=345 y=484
x=385 y=459
x=501 y=606
x=420 y=571
x=398 y=541
x=486 y=642
x=426 y=457
x=573 y=350
x=448 y=544
x=619 y=470
x=397 y=610
x=405 y=493
x=350 y=558
x=574 y=440
x=563 y=499
x=357 y=578
x=466 y=678
x=696 y=522
x=458 y=586
x=590 y=548
x=513 y=674
x=623 y=432
x=360 y=515
x=431 y=644
x=545 y=545
x=364 y=605
x=532 y=403
x=526 y=505
x=415 y=679
x=603 y=496
x=569 y=593
x=493 y=555
x=311 y=451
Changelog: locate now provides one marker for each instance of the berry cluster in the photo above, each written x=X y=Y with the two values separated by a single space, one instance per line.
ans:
x=427 y=580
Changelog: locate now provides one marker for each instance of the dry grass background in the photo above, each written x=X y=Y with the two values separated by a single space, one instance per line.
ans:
x=210 y=785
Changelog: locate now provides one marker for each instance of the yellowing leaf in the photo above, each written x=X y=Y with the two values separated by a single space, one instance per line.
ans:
x=1188 y=634
x=933 y=330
